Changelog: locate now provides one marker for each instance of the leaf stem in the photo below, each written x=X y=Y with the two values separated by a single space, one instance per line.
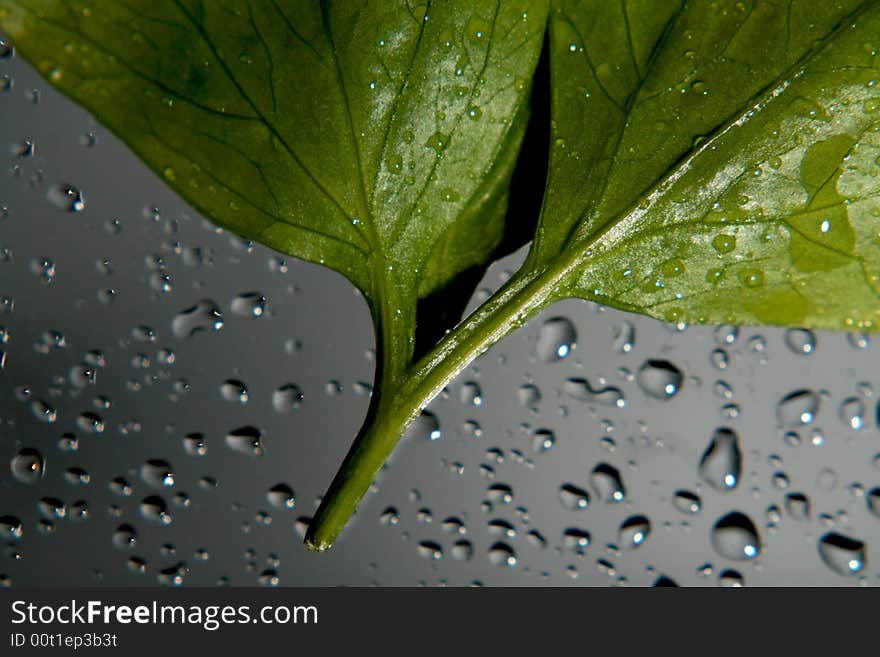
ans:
x=395 y=408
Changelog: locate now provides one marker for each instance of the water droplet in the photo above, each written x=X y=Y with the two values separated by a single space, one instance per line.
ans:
x=430 y=550
x=425 y=427
x=501 y=554
x=576 y=540
x=246 y=440
x=582 y=391
x=249 y=304
x=687 y=502
x=557 y=337
x=281 y=496
x=157 y=473
x=724 y=243
x=471 y=394
x=27 y=466
x=873 y=501
x=155 y=509
x=735 y=537
x=125 y=537
x=500 y=494
x=797 y=505
x=233 y=390
x=842 y=554
x=605 y=480
x=852 y=412
x=797 y=408
x=528 y=395
x=66 y=197
x=11 y=528
x=204 y=316
x=438 y=142
x=462 y=550
x=543 y=440
x=574 y=498
x=52 y=508
x=194 y=444
x=801 y=341
x=659 y=379
x=624 y=337
x=287 y=398
x=721 y=463
x=634 y=531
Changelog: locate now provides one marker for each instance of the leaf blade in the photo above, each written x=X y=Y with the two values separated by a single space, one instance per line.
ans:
x=746 y=225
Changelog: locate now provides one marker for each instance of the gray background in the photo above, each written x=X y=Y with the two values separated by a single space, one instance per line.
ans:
x=316 y=334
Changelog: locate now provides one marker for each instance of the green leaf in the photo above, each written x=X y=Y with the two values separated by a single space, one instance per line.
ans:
x=377 y=139
x=717 y=162
x=708 y=161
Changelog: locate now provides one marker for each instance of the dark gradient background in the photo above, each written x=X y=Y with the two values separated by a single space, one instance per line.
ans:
x=315 y=333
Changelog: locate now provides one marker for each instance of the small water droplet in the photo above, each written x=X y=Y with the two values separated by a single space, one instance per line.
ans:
x=605 y=480
x=800 y=341
x=205 y=316
x=721 y=463
x=233 y=390
x=735 y=537
x=501 y=554
x=557 y=337
x=797 y=408
x=125 y=537
x=574 y=498
x=843 y=554
x=687 y=502
x=286 y=398
x=659 y=379
x=249 y=304
x=634 y=531
x=28 y=466
x=245 y=440
x=281 y=496
x=66 y=197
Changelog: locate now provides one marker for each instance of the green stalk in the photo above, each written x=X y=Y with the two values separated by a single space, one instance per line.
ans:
x=394 y=408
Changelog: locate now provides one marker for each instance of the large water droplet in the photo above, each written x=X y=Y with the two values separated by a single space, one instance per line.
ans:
x=735 y=537
x=659 y=379
x=721 y=463
x=557 y=337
